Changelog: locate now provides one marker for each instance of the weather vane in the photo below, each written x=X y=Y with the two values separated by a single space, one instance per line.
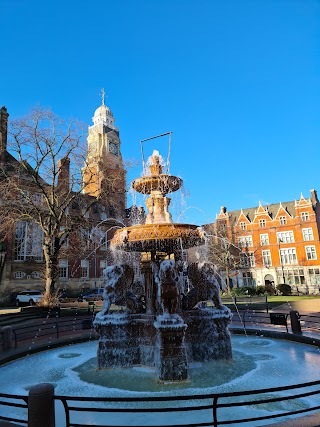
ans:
x=103 y=95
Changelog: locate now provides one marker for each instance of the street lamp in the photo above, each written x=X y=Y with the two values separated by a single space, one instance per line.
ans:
x=283 y=278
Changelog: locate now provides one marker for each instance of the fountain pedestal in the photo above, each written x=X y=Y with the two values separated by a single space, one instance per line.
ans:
x=171 y=362
x=208 y=337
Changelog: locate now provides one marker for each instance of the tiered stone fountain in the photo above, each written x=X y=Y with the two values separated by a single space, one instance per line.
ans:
x=169 y=329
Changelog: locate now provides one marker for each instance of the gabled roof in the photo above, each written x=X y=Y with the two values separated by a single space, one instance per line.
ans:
x=272 y=210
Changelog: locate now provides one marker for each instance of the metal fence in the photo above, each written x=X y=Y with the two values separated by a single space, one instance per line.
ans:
x=207 y=410
x=216 y=410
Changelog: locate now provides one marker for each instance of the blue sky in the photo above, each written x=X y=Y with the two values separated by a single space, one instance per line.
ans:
x=236 y=81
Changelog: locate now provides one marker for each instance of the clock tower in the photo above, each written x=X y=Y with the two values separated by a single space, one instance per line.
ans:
x=103 y=174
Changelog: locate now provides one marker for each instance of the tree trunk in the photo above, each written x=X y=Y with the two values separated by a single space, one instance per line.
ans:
x=51 y=269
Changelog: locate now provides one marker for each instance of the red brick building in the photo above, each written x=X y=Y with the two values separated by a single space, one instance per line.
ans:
x=279 y=244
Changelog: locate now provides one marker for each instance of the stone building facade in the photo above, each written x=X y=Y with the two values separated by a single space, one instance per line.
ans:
x=21 y=257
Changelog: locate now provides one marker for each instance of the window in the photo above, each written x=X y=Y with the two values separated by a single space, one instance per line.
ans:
x=247 y=279
x=244 y=260
x=314 y=274
x=293 y=276
x=243 y=226
x=283 y=220
x=252 y=260
x=264 y=239
x=245 y=241
x=311 y=252
x=266 y=258
x=288 y=256
x=307 y=234
x=28 y=241
x=84 y=268
x=285 y=237
x=36 y=275
x=104 y=242
x=103 y=266
x=305 y=216
x=19 y=274
x=247 y=260
x=63 y=269
x=262 y=223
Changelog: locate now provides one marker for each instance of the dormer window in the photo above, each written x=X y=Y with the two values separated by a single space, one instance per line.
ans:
x=283 y=220
x=243 y=226
x=262 y=223
x=305 y=216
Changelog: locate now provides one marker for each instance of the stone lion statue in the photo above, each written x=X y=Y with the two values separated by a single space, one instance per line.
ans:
x=118 y=280
x=168 y=290
x=205 y=286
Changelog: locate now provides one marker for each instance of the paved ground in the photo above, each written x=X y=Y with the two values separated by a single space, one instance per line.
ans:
x=303 y=306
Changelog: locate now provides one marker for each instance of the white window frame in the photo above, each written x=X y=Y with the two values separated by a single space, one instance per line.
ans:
x=84 y=268
x=311 y=252
x=283 y=220
x=245 y=241
x=288 y=256
x=243 y=225
x=285 y=236
x=305 y=216
x=266 y=258
x=264 y=239
x=103 y=265
x=19 y=274
x=307 y=234
x=28 y=241
x=262 y=223
x=63 y=269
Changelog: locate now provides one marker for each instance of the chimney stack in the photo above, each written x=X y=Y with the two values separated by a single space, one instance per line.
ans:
x=3 y=129
x=64 y=174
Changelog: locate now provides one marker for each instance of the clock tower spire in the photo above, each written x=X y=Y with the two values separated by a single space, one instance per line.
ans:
x=103 y=173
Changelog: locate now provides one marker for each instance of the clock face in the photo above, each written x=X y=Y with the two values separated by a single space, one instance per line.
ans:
x=113 y=148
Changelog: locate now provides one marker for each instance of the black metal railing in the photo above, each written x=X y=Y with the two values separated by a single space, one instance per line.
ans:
x=214 y=409
x=8 y=401
x=218 y=407
x=64 y=327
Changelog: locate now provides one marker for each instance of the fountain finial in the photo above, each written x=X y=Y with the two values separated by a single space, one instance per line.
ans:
x=155 y=166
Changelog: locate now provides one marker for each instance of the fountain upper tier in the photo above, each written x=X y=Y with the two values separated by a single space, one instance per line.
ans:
x=156 y=181
x=159 y=233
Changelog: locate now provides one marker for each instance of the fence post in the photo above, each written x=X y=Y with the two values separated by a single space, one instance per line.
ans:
x=295 y=322
x=7 y=335
x=41 y=406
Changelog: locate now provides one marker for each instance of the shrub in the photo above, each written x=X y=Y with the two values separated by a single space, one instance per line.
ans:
x=244 y=290
x=284 y=289
x=261 y=290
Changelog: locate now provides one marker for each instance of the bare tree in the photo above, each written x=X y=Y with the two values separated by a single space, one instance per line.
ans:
x=42 y=185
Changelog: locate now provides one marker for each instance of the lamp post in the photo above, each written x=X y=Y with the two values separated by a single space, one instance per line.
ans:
x=283 y=278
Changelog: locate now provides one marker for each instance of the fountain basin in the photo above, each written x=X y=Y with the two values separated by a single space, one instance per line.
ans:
x=258 y=363
x=157 y=237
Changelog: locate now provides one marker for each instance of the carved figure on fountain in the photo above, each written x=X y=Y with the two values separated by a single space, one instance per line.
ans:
x=205 y=286
x=168 y=289
x=118 y=280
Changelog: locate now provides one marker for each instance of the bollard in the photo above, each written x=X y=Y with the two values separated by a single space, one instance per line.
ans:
x=7 y=337
x=295 y=322
x=41 y=406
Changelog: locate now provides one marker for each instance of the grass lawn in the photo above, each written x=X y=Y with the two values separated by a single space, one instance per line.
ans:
x=259 y=302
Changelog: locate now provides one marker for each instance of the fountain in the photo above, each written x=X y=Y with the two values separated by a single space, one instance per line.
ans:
x=165 y=329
